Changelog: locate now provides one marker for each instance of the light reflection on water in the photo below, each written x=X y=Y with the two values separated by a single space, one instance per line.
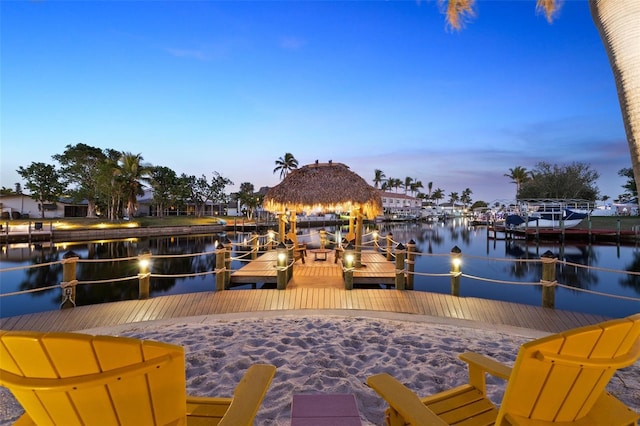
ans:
x=433 y=244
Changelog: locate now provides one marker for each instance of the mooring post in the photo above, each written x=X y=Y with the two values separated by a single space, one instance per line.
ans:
x=389 y=242
x=69 y=281
x=400 y=256
x=144 y=277
x=456 y=260
x=548 y=279
x=220 y=259
x=348 y=262
x=411 y=263
x=323 y=238
x=618 y=230
x=376 y=245
x=227 y=262
x=281 y=266
x=272 y=239
x=256 y=246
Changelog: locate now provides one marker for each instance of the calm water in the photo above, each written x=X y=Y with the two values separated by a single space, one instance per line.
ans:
x=433 y=243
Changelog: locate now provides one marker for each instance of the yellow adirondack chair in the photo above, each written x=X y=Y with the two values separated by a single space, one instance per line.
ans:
x=556 y=380
x=77 y=379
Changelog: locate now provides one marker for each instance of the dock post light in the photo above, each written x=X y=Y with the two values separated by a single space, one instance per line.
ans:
x=144 y=277
x=281 y=254
x=456 y=261
x=349 y=257
x=281 y=266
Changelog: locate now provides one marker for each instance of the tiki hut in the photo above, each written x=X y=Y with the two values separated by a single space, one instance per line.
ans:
x=324 y=187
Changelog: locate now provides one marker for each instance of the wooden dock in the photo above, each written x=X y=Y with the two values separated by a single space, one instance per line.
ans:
x=314 y=286
x=559 y=235
x=376 y=270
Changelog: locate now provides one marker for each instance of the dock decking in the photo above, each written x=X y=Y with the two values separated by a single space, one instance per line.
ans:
x=376 y=270
x=301 y=299
x=315 y=285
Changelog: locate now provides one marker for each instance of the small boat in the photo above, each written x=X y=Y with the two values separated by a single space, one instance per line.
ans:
x=546 y=215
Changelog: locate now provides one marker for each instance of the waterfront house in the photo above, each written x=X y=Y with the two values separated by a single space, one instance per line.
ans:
x=394 y=203
x=18 y=206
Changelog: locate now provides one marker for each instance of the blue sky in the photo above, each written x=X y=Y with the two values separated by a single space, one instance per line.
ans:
x=231 y=86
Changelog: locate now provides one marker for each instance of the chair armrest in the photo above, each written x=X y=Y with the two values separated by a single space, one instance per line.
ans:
x=248 y=395
x=485 y=364
x=403 y=400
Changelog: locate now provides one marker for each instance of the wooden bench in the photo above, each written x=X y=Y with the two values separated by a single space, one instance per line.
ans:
x=325 y=410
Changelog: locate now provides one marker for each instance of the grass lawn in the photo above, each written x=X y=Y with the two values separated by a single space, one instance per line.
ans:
x=142 y=222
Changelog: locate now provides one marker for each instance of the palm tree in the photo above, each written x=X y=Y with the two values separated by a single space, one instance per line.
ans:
x=437 y=195
x=394 y=183
x=518 y=175
x=618 y=22
x=430 y=188
x=378 y=177
x=416 y=186
x=132 y=172
x=285 y=165
x=407 y=183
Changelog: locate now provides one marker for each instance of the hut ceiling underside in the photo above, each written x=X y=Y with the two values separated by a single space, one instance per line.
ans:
x=367 y=208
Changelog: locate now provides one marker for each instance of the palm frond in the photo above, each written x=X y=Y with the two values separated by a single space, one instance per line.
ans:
x=459 y=12
x=550 y=8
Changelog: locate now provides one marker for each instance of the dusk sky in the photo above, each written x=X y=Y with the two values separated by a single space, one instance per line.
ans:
x=231 y=86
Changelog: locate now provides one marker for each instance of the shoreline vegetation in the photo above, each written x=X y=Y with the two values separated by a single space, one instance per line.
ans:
x=609 y=223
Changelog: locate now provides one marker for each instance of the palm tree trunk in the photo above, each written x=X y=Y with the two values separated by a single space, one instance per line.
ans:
x=618 y=22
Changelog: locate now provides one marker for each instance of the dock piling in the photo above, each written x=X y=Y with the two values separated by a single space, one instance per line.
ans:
x=548 y=279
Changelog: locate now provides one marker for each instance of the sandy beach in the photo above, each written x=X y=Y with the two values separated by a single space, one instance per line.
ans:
x=333 y=352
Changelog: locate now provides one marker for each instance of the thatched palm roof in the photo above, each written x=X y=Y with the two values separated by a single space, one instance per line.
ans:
x=325 y=187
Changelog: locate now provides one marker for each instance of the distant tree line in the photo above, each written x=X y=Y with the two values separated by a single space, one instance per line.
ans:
x=572 y=181
x=111 y=181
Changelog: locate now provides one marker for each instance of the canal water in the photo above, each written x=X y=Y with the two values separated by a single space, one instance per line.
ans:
x=498 y=265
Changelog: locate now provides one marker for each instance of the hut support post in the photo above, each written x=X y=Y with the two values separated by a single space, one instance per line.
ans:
x=292 y=229
x=359 y=229
x=548 y=279
x=351 y=235
x=281 y=227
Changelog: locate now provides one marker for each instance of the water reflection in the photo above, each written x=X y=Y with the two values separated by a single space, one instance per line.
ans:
x=482 y=256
